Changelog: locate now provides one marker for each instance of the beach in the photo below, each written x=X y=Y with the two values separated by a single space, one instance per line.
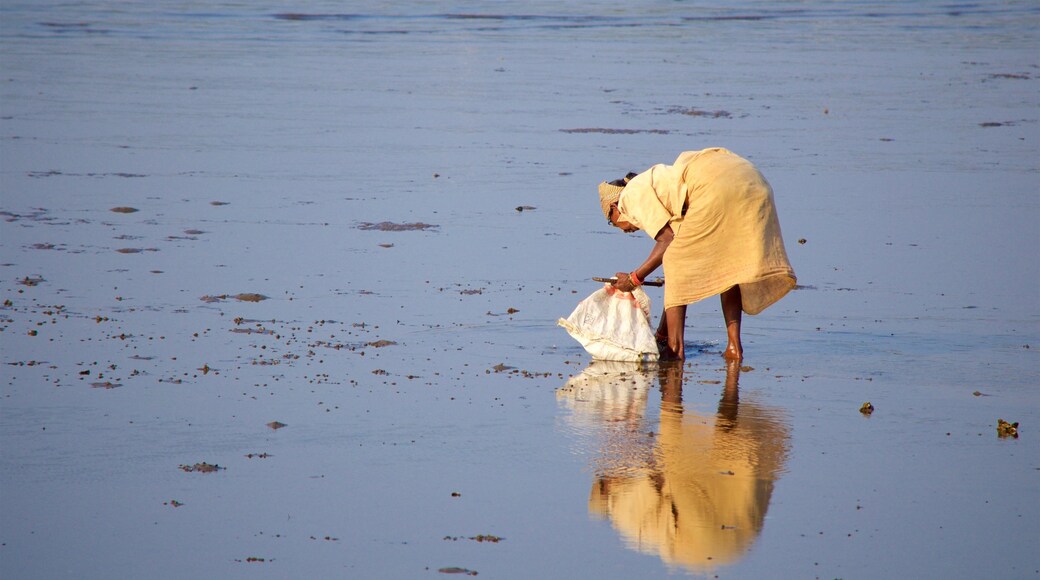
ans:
x=280 y=290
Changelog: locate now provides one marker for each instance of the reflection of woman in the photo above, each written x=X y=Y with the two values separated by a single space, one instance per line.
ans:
x=700 y=499
x=712 y=216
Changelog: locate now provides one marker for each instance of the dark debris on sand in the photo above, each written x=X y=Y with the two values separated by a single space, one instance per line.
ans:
x=395 y=227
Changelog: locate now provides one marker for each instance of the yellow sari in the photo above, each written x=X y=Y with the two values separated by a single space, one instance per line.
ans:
x=727 y=233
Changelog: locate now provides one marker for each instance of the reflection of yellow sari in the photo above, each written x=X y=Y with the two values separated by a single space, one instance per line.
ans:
x=700 y=500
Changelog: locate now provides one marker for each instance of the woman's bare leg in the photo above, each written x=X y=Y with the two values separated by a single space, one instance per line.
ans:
x=662 y=328
x=662 y=338
x=675 y=321
x=731 y=312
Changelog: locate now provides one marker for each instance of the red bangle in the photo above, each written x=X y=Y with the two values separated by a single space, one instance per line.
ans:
x=635 y=279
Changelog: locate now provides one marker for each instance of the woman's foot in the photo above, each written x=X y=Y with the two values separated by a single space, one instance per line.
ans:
x=669 y=335
x=666 y=353
x=732 y=302
x=733 y=353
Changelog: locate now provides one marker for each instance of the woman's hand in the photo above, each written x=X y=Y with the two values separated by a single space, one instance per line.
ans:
x=624 y=282
x=653 y=261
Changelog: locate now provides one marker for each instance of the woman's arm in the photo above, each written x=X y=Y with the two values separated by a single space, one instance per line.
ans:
x=653 y=261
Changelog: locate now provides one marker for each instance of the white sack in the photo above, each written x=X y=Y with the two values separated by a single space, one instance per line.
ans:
x=614 y=325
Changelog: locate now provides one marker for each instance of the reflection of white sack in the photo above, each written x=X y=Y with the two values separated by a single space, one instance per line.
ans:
x=607 y=391
x=614 y=325
x=608 y=415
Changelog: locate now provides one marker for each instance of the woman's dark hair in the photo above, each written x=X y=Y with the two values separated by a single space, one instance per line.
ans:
x=624 y=180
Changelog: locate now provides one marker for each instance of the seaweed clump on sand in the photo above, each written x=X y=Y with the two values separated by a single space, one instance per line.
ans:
x=201 y=468
x=609 y=131
x=243 y=297
x=695 y=112
x=1005 y=429
x=395 y=227
x=457 y=570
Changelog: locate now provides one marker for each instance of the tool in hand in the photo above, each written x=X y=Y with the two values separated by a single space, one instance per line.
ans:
x=612 y=279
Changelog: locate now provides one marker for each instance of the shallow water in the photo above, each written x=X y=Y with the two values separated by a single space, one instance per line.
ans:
x=256 y=143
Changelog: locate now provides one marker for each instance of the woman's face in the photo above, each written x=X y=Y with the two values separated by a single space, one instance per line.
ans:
x=616 y=219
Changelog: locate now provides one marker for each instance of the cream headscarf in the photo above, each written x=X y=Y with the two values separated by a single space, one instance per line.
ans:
x=608 y=195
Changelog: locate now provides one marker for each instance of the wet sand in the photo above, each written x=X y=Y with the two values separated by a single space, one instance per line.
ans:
x=324 y=343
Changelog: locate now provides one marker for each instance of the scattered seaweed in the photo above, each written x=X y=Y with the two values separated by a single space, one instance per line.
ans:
x=478 y=538
x=695 y=112
x=1015 y=76
x=457 y=570
x=124 y=209
x=259 y=330
x=201 y=468
x=616 y=131
x=395 y=227
x=299 y=17
x=249 y=297
x=56 y=173
x=244 y=297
